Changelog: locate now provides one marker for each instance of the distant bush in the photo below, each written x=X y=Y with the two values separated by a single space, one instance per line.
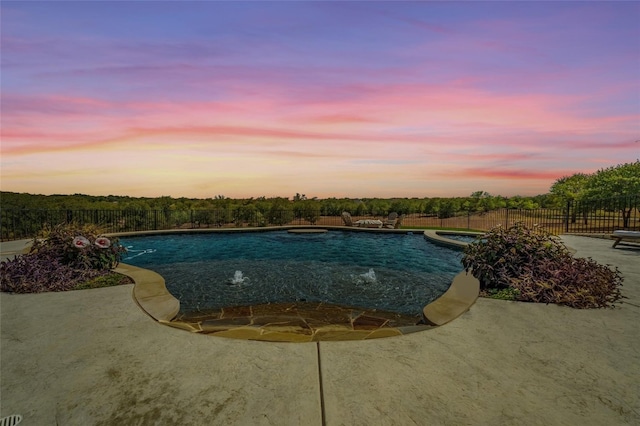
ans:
x=280 y=214
x=532 y=265
x=62 y=258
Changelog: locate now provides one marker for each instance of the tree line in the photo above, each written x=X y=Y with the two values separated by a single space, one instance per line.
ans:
x=615 y=181
x=478 y=201
x=620 y=180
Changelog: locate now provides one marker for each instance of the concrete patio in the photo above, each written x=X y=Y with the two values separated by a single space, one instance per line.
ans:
x=93 y=357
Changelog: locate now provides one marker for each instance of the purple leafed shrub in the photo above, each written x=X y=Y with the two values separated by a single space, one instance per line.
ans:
x=530 y=264
x=81 y=247
x=36 y=273
x=61 y=259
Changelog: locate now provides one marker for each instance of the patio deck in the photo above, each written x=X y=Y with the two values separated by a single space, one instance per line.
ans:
x=93 y=357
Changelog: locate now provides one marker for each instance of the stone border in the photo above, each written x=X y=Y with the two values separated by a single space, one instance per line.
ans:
x=307 y=231
x=457 y=300
x=438 y=237
x=464 y=289
x=151 y=294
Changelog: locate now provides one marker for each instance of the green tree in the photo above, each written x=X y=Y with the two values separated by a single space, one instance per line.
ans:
x=570 y=187
x=620 y=181
x=447 y=208
x=430 y=207
x=361 y=209
x=203 y=217
x=378 y=206
x=616 y=181
x=307 y=209
x=403 y=206
x=281 y=212
x=481 y=201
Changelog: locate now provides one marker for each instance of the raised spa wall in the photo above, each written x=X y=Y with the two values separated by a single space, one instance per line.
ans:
x=296 y=322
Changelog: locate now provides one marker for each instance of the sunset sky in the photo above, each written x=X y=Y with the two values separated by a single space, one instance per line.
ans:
x=329 y=99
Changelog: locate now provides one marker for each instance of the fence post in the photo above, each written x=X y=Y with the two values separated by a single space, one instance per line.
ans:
x=567 y=216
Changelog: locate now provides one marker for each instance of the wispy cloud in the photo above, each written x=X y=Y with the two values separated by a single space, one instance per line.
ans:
x=515 y=174
x=404 y=99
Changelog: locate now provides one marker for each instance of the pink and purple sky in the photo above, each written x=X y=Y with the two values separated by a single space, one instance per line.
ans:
x=329 y=99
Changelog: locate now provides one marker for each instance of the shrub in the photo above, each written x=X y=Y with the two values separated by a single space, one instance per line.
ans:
x=508 y=293
x=505 y=253
x=108 y=280
x=539 y=268
x=79 y=246
x=60 y=259
x=280 y=214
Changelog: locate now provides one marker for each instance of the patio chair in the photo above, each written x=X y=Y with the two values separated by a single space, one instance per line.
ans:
x=633 y=236
x=399 y=222
x=390 y=222
x=346 y=218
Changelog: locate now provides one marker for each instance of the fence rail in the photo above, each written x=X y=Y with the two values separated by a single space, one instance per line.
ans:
x=590 y=216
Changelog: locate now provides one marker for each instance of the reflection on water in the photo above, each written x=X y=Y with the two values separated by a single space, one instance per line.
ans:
x=132 y=253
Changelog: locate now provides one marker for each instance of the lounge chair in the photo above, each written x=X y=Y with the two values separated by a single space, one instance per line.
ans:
x=362 y=223
x=390 y=222
x=625 y=235
x=395 y=223
x=369 y=223
x=346 y=218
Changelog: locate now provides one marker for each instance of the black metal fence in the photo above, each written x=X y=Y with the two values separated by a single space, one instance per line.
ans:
x=603 y=215
x=588 y=216
x=27 y=223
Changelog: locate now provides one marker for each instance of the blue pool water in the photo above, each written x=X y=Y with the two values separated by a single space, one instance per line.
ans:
x=393 y=272
x=464 y=238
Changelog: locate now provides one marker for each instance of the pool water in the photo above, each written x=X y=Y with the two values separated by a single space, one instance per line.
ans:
x=393 y=272
x=460 y=237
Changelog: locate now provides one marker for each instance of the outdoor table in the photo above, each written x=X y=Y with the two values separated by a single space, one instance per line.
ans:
x=369 y=223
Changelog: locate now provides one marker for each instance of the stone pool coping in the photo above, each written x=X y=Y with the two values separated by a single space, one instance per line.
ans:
x=152 y=296
x=437 y=236
x=150 y=293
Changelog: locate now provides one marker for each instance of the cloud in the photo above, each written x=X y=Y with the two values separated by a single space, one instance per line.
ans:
x=54 y=104
x=603 y=144
x=408 y=98
x=511 y=174
x=331 y=119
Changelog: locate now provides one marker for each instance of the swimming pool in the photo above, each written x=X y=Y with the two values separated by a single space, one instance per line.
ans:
x=391 y=272
x=461 y=237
